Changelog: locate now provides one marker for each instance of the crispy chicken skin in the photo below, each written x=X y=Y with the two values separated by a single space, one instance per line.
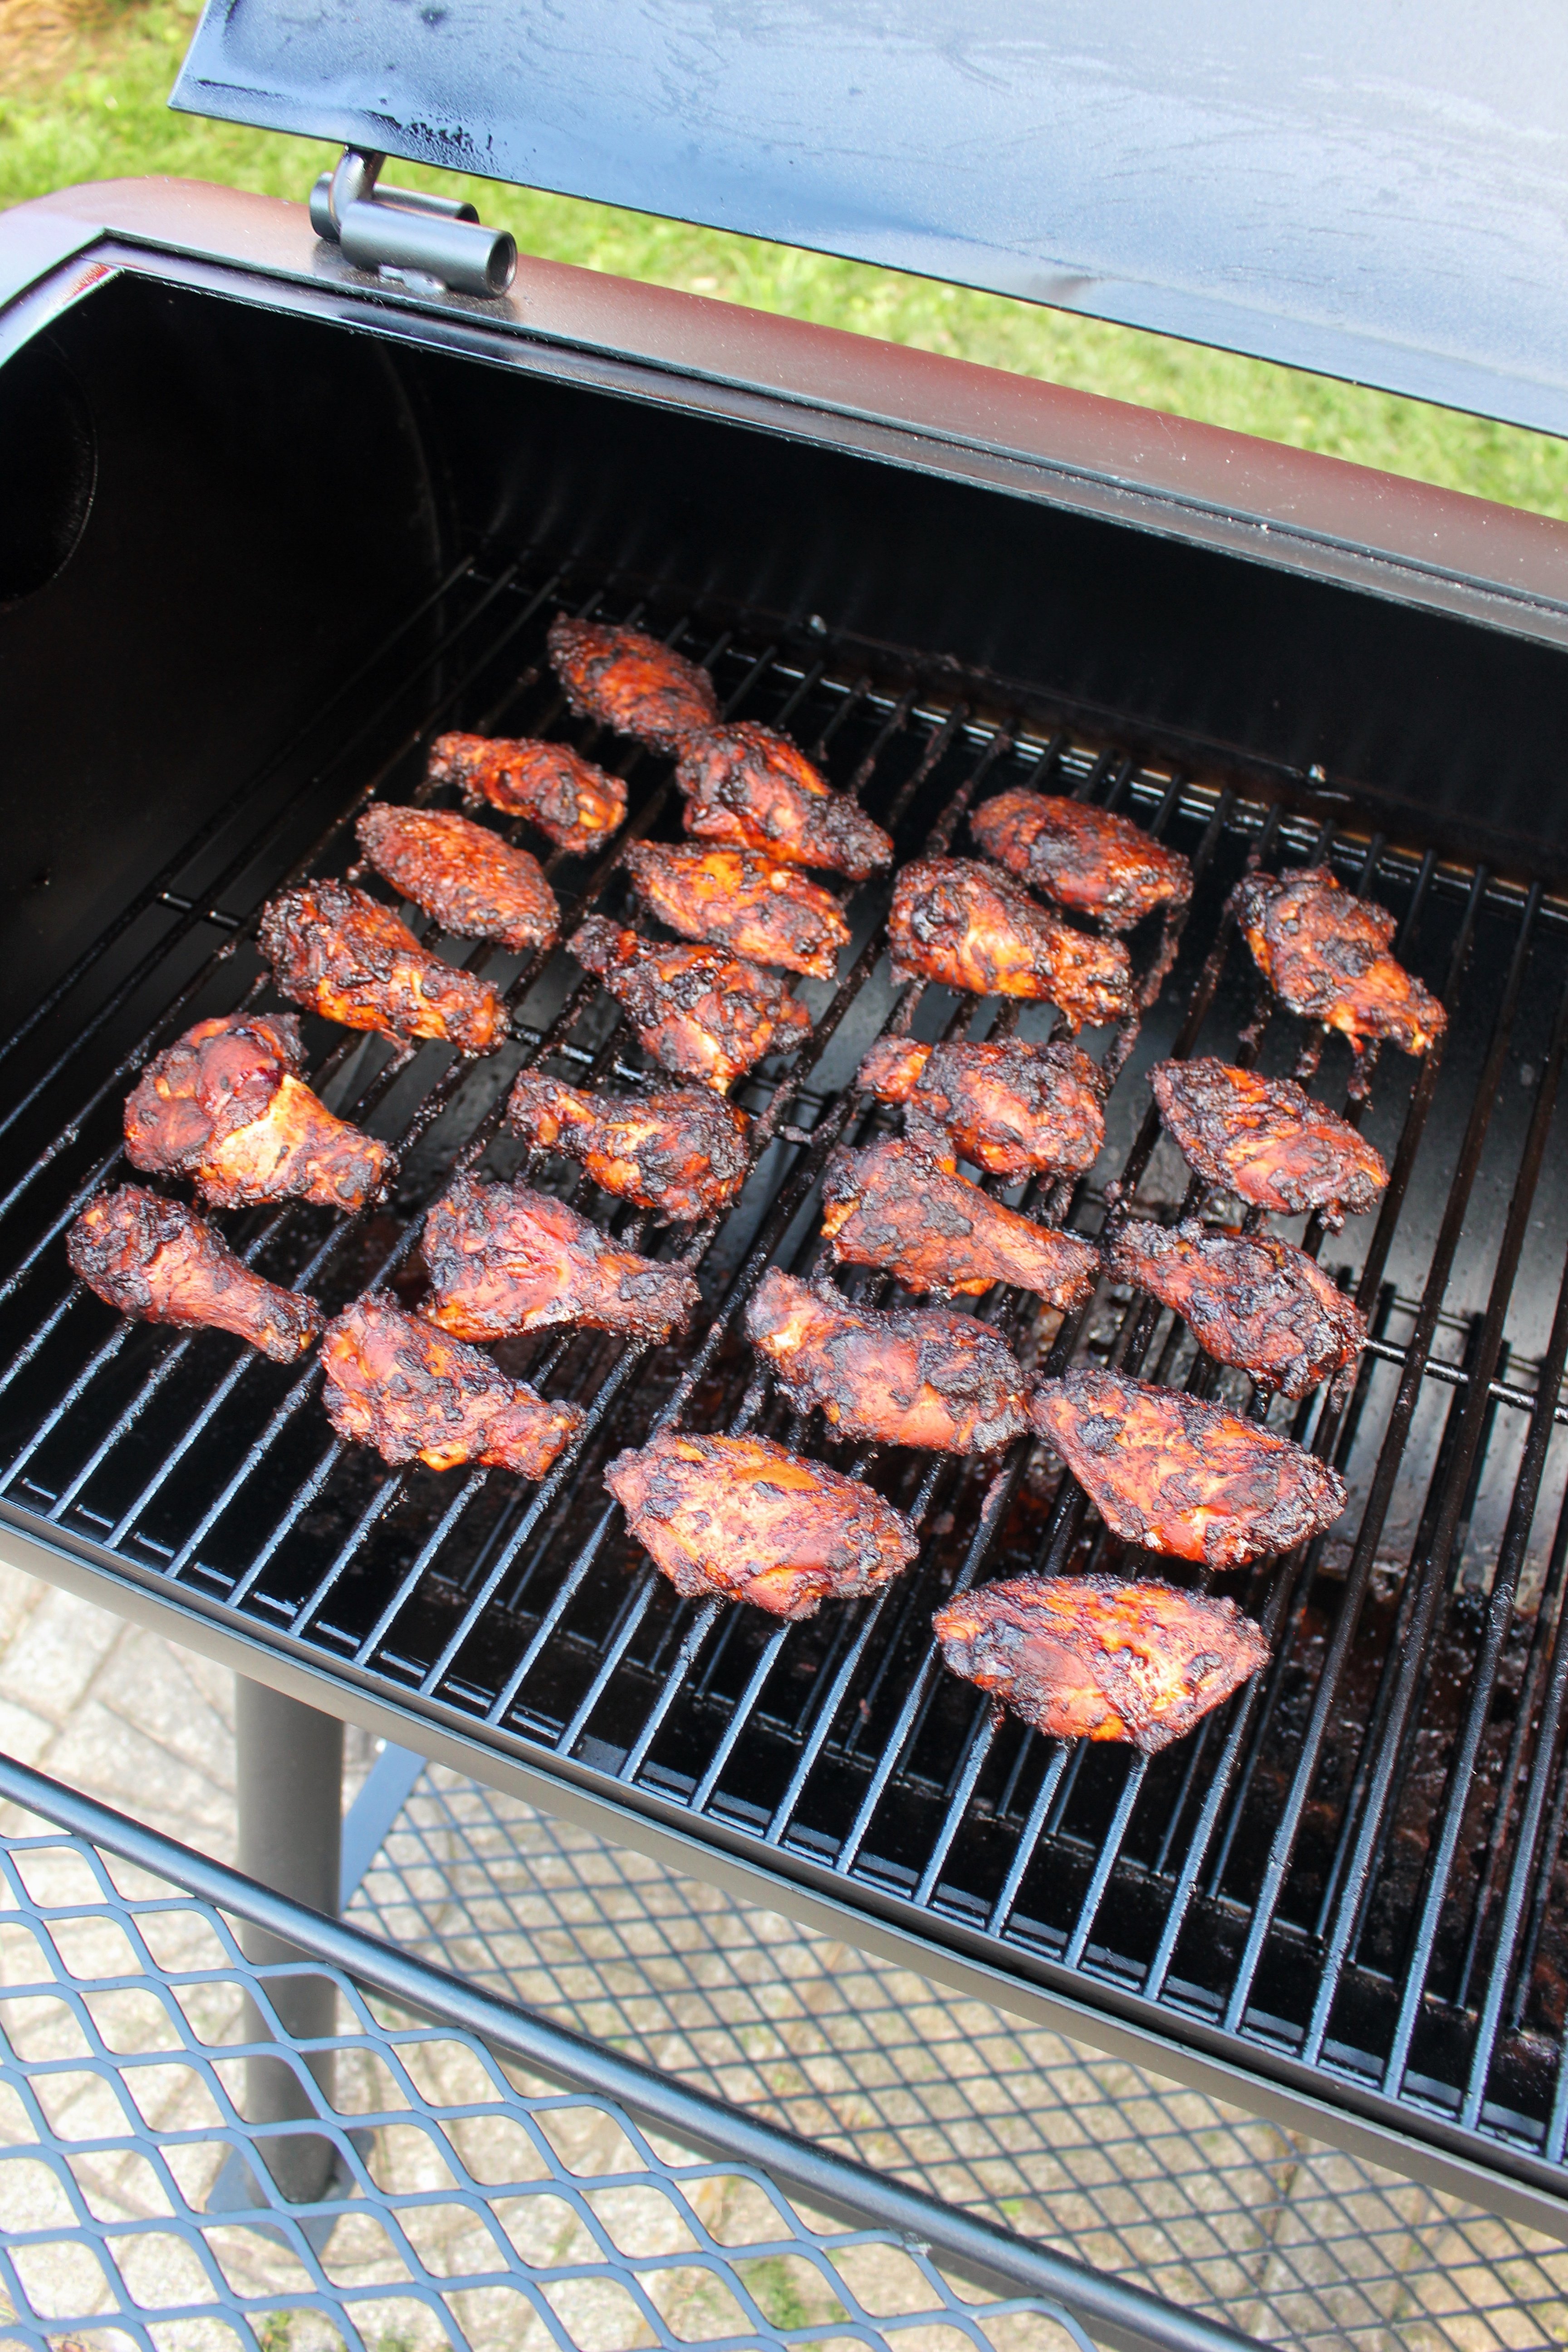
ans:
x=463 y=874
x=576 y=804
x=393 y=1383
x=1087 y=1658
x=1180 y=1476
x=1014 y=1109
x=154 y=1258
x=1249 y=1301
x=962 y=923
x=747 y=786
x=630 y=682
x=1325 y=952
x=1081 y=857
x=895 y=1205
x=740 y=1518
x=925 y=1378
x=1268 y=1140
x=702 y=1011
x=503 y=1259
x=760 y=909
x=683 y=1153
x=341 y=952
x=223 y=1106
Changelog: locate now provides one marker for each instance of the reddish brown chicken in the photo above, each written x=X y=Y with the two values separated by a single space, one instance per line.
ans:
x=1325 y=952
x=152 y=1258
x=393 y=1383
x=341 y=952
x=1183 y=1478
x=1268 y=1140
x=760 y=909
x=739 y=1518
x=895 y=1205
x=1087 y=1658
x=632 y=683
x=1263 y=1304
x=919 y=1379
x=225 y=1107
x=503 y=1259
x=748 y=786
x=1014 y=1109
x=683 y=1153
x=576 y=804
x=699 y=1011
x=463 y=874
x=959 y=922
x=1081 y=857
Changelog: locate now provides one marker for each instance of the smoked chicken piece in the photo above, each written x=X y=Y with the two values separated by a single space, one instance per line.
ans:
x=1087 y=1658
x=923 y=1378
x=1014 y=1109
x=1083 y=857
x=699 y=1011
x=463 y=874
x=342 y=953
x=746 y=786
x=960 y=923
x=503 y=1259
x=223 y=1106
x=895 y=1205
x=393 y=1383
x=743 y=1520
x=1180 y=1476
x=629 y=682
x=154 y=1258
x=763 y=909
x=1325 y=952
x=577 y=805
x=1261 y=1304
x=683 y=1153
x=1268 y=1140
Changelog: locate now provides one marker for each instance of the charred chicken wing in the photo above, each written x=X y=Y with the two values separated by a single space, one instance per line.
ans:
x=223 y=1106
x=683 y=1153
x=959 y=922
x=151 y=1257
x=699 y=1011
x=747 y=785
x=739 y=1517
x=1262 y=1303
x=1014 y=1109
x=632 y=683
x=342 y=953
x=393 y=1383
x=920 y=1379
x=1182 y=1476
x=1267 y=1141
x=576 y=804
x=1325 y=952
x=1087 y=1658
x=763 y=909
x=471 y=880
x=895 y=1205
x=1083 y=857
x=503 y=1259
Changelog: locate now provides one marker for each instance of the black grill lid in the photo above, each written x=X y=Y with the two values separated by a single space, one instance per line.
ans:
x=1370 y=188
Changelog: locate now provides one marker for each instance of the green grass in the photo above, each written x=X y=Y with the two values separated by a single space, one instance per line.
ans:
x=104 y=116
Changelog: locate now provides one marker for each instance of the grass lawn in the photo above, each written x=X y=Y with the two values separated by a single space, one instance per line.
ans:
x=82 y=97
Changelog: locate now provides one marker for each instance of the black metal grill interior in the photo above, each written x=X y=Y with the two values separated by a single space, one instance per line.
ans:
x=1354 y=1865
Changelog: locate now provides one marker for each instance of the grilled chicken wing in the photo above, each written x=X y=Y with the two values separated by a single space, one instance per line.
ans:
x=1262 y=1303
x=920 y=1379
x=630 y=682
x=503 y=1259
x=151 y=1257
x=1087 y=1658
x=223 y=1106
x=747 y=785
x=1325 y=952
x=760 y=909
x=471 y=880
x=683 y=1153
x=1268 y=1140
x=393 y=1383
x=341 y=952
x=739 y=1517
x=959 y=922
x=895 y=1205
x=1083 y=857
x=1014 y=1109
x=1182 y=1476
x=574 y=802
x=699 y=1011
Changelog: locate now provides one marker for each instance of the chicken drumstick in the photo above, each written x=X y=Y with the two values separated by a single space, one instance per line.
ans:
x=341 y=952
x=1015 y=1109
x=1268 y=1140
x=503 y=1259
x=1325 y=952
x=748 y=786
x=393 y=1383
x=150 y=1257
x=471 y=880
x=895 y=1205
x=699 y=1011
x=962 y=923
x=576 y=804
x=761 y=910
x=1082 y=856
x=1249 y=1301
x=629 y=682
x=681 y=1152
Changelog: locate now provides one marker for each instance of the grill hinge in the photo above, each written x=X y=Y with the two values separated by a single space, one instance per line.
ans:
x=429 y=243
